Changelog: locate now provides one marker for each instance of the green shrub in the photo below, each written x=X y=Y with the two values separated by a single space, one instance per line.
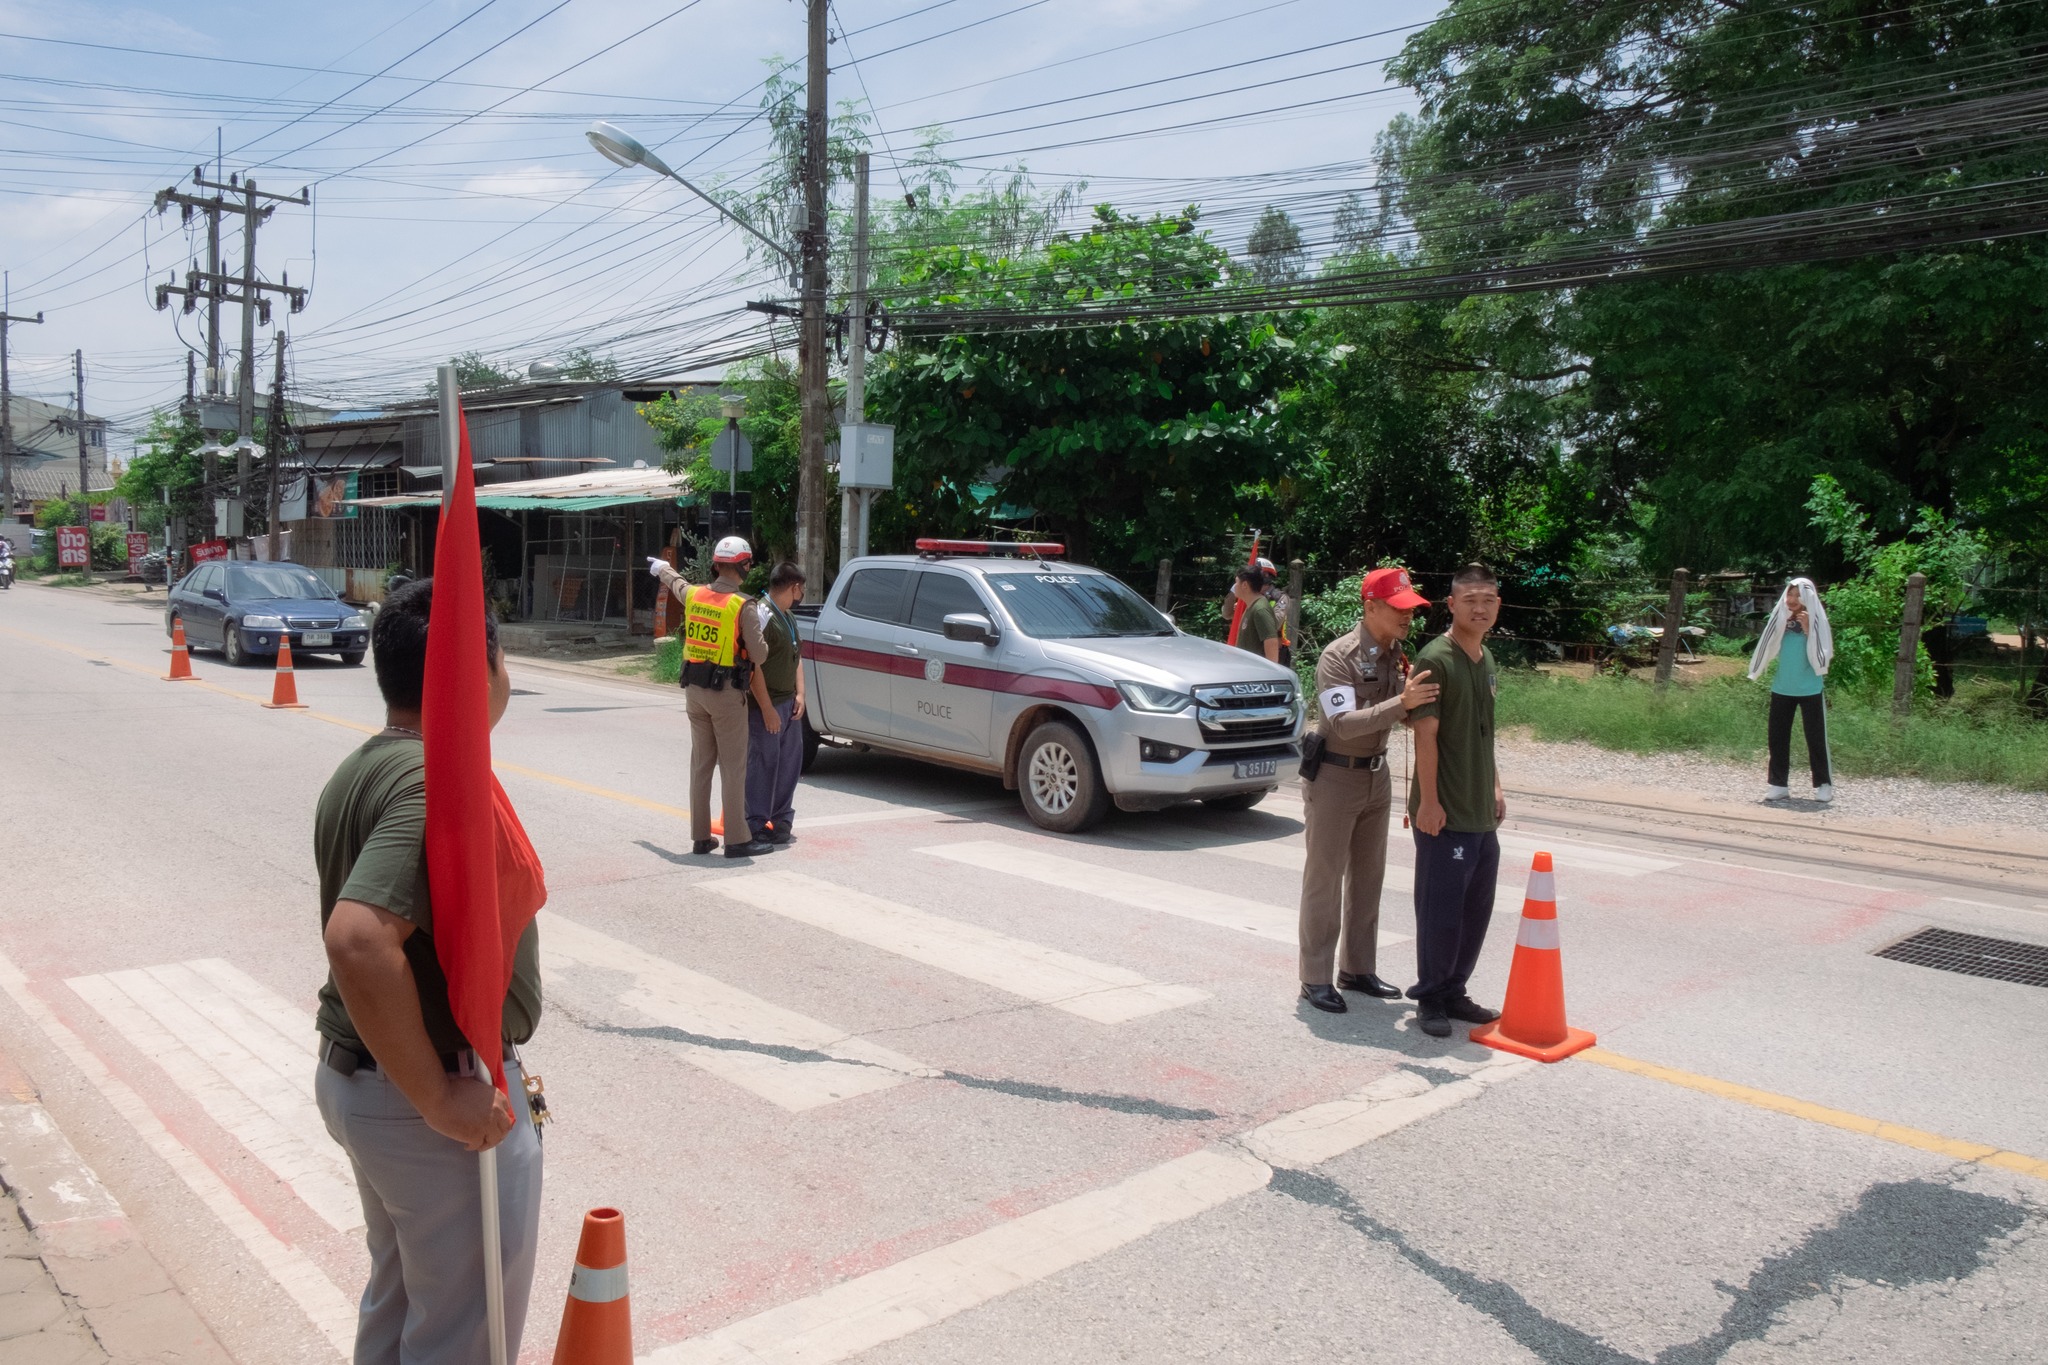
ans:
x=668 y=660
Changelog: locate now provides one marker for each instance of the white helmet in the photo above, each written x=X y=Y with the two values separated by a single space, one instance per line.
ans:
x=732 y=550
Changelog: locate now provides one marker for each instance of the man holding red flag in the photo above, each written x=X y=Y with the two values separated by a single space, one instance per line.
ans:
x=428 y=889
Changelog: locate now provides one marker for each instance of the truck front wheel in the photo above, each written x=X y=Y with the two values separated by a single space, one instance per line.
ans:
x=1059 y=781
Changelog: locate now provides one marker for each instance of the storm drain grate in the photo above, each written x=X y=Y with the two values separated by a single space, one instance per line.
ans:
x=1945 y=950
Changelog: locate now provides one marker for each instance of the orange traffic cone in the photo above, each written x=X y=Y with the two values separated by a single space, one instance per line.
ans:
x=718 y=825
x=181 y=657
x=597 y=1325
x=284 y=693
x=1532 y=1021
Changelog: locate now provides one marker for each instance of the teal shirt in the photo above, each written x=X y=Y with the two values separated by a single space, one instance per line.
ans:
x=1796 y=677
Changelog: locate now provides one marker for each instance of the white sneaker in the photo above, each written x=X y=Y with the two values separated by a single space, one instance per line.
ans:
x=1824 y=792
x=1777 y=793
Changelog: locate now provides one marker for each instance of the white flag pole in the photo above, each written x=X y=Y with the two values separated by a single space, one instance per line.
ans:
x=486 y=1160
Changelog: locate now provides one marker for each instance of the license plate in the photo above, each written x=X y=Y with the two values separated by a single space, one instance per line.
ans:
x=1255 y=767
x=317 y=637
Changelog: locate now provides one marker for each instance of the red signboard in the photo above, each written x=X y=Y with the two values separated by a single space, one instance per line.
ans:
x=97 y=512
x=74 y=547
x=208 y=549
x=138 y=549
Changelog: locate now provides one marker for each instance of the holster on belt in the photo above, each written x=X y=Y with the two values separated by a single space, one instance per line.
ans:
x=1312 y=745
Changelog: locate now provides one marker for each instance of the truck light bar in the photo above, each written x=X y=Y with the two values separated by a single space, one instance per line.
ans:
x=1034 y=549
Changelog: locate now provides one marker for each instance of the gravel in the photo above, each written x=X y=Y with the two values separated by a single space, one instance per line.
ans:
x=1974 y=807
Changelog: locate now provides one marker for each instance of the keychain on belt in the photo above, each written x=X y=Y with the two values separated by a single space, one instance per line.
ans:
x=536 y=1097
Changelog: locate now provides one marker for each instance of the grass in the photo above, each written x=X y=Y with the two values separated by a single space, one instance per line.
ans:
x=1979 y=736
x=664 y=665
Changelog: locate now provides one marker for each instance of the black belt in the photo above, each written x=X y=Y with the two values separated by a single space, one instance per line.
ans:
x=1369 y=762
x=348 y=1061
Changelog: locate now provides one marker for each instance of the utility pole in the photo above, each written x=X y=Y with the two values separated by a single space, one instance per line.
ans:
x=853 y=501
x=273 y=438
x=84 y=480
x=217 y=287
x=7 y=402
x=811 y=347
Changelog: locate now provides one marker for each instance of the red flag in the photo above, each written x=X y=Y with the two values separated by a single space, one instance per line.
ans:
x=481 y=872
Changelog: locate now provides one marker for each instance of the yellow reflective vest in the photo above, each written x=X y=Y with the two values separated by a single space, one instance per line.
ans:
x=711 y=626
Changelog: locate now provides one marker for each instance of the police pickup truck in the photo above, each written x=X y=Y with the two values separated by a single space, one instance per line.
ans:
x=1003 y=659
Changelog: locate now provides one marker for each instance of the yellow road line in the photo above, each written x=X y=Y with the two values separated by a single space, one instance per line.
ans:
x=537 y=774
x=1953 y=1148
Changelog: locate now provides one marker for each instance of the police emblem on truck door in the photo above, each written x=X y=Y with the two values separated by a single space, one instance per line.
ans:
x=934 y=670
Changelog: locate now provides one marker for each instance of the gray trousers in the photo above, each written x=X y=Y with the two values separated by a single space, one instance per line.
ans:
x=1345 y=826
x=774 y=762
x=718 y=742
x=424 y=1304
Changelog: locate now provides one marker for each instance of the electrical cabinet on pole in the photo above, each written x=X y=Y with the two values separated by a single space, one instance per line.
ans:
x=815 y=405
x=7 y=316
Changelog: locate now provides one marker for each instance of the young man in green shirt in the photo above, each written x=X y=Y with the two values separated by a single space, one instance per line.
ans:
x=1259 y=631
x=1455 y=804
x=396 y=1083
x=775 y=756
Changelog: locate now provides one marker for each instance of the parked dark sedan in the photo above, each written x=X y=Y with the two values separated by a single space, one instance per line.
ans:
x=242 y=608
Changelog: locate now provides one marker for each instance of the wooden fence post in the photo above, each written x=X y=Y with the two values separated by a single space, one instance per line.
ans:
x=1674 y=619
x=1909 y=646
x=1162 y=592
x=1294 y=568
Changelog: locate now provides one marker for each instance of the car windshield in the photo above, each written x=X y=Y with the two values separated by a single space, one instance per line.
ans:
x=1057 y=604
x=277 y=580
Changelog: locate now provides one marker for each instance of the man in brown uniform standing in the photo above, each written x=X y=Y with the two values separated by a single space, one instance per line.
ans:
x=1363 y=690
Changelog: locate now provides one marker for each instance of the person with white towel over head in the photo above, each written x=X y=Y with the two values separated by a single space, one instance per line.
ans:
x=1798 y=638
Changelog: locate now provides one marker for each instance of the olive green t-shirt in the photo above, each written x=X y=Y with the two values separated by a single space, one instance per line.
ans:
x=1261 y=623
x=369 y=833
x=779 y=668
x=1464 y=737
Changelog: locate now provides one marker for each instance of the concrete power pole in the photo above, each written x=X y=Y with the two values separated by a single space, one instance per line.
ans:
x=84 y=480
x=7 y=404
x=816 y=408
x=852 y=501
x=274 y=440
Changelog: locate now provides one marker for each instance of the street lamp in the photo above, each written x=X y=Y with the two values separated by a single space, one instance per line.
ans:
x=622 y=148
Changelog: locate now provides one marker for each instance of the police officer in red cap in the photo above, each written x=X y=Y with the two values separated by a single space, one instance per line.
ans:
x=1363 y=690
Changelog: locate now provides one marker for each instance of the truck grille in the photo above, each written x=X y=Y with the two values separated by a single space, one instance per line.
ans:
x=1245 y=713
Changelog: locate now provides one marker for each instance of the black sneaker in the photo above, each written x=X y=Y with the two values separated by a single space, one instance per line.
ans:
x=1431 y=1018
x=1469 y=1011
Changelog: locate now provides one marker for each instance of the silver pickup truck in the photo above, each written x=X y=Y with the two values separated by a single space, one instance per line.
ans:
x=1055 y=677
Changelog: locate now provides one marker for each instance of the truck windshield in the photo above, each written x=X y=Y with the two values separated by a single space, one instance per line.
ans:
x=1057 y=605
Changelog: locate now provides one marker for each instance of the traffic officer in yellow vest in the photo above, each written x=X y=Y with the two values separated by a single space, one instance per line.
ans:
x=722 y=647
x=1363 y=690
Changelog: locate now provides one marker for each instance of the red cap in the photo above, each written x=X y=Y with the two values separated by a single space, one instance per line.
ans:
x=1392 y=587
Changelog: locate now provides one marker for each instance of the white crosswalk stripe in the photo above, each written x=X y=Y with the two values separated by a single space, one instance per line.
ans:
x=1092 y=990
x=784 y=1057
x=246 y=1057
x=1279 y=923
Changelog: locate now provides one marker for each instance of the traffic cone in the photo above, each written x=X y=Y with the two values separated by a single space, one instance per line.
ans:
x=284 y=693
x=1532 y=1021
x=597 y=1325
x=181 y=657
x=718 y=825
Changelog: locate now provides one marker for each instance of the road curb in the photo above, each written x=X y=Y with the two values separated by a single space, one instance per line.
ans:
x=89 y=1248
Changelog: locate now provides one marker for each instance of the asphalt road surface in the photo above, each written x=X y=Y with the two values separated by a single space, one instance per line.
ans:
x=934 y=1086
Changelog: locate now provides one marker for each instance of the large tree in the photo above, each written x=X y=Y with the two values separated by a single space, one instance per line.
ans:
x=1132 y=439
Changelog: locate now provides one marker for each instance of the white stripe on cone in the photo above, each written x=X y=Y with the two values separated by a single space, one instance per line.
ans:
x=1537 y=933
x=1543 y=887
x=598 y=1286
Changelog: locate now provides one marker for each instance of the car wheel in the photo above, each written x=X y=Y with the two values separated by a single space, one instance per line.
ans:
x=1058 y=779
x=812 y=741
x=1235 y=801
x=352 y=658
x=231 y=651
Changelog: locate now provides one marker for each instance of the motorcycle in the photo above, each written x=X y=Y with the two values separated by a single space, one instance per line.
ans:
x=6 y=571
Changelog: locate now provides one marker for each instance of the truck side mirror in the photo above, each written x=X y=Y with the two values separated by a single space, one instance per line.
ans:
x=970 y=627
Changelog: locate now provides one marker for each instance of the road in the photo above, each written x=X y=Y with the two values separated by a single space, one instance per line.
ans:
x=933 y=1085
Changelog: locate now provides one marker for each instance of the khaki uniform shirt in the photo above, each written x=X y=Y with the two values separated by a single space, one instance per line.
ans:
x=1357 y=661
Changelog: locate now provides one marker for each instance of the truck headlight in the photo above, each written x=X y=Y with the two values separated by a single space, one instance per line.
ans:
x=1160 y=701
x=263 y=623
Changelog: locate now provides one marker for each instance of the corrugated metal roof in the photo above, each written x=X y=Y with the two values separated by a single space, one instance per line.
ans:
x=604 y=488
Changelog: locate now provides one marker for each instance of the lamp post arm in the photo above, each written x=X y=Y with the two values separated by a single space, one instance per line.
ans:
x=763 y=237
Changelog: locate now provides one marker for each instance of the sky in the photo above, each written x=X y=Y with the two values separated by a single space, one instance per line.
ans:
x=456 y=205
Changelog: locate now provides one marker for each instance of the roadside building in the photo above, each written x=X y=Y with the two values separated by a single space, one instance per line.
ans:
x=45 y=463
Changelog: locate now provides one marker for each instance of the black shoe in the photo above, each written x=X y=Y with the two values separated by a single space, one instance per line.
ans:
x=1369 y=984
x=780 y=837
x=770 y=841
x=1324 y=998
x=1431 y=1019
x=1470 y=1011
x=753 y=848
x=704 y=846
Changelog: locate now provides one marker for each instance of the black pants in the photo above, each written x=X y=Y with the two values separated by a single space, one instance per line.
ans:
x=1813 y=713
x=1454 y=877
